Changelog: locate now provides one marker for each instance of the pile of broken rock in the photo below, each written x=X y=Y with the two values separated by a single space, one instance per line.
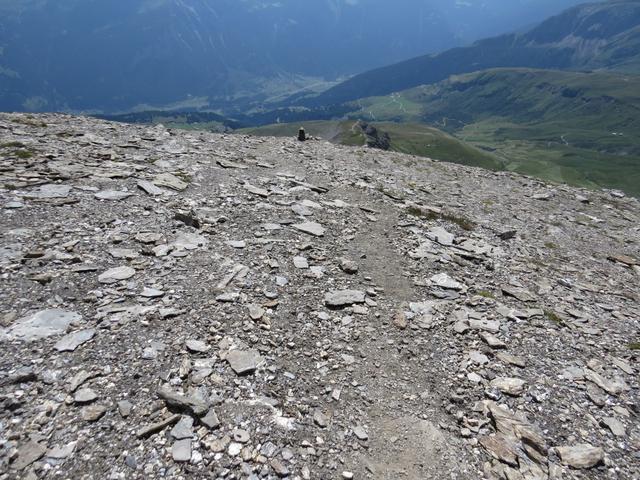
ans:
x=190 y=305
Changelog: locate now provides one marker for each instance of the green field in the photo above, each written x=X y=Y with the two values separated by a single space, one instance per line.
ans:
x=412 y=138
x=577 y=128
x=527 y=152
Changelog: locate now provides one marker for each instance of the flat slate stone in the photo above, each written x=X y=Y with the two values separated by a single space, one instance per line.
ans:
x=183 y=429
x=508 y=385
x=441 y=236
x=614 y=387
x=228 y=164
x=177 y=400
x=301 y=210
x=93 y=413
x=261 y=192
x=125 y=407
x=492 y=340
x=237 y=243
x=615 y=425
x=300 y=263
x=60 y=453
x=29 y=453
x=148 y=237
x=244 y=362
x=518 y=293
x=156 y=427
x=114 y=195
x=42 y=324
x=234 y=449
x=361 y=433
x=256 y=312
x=241 y=436
x=210 y=419
x=170 y=181
x=311 y=228
x=343 y=298
x=190 y=241
x=51 y=191
x=197 y=346
x=491 y=326
x=443 y=280
x=70 y=342
x=117 y=274
x=625 y=259
x=321 y=419
x=149 y=188
x=85 y=395
x=348 y=266
x=228 y=297
x=581 y=456
x=502 y=448
x=151 y=293
x=123 y=253
x=181 y=450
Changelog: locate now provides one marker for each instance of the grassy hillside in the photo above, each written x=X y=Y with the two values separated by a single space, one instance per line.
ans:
x=587 y=37
x=413 y=138
x=572 y=127
x=579 y=128
x=341 y=132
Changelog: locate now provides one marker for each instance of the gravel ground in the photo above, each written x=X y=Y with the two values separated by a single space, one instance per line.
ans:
x=191 y=305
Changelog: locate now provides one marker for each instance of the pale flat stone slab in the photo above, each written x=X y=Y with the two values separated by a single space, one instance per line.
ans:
x=117 y=274
x=581 y=456
x=443 y=280
x=190 y=241
x=149 y=188
x=261 y=192
x=70 y=342
x=170 y=181
x=441 y=236
x=151 y=293
x=343 y=298
x=508 y=385
x=45 y=323
x=51 y=191
x=113 y=195
x=311 y=228
x=244 y=362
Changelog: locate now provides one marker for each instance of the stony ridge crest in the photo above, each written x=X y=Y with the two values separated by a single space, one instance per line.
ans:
x=181 y=304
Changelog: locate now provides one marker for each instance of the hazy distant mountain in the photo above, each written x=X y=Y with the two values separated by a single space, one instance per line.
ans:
x=116 y=54
x=475 y=19
x=587 y=37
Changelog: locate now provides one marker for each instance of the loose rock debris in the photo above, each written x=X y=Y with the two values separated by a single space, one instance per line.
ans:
x=219 y=306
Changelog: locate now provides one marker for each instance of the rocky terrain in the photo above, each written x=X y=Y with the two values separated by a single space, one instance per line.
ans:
x=191 y=305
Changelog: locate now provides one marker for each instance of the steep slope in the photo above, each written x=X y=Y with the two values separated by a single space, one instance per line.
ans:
x=623 y=52
x=191 y=305
x=590 y=36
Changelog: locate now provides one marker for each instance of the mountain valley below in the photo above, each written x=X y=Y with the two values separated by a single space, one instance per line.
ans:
x=565 y=127
x=560 y=102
